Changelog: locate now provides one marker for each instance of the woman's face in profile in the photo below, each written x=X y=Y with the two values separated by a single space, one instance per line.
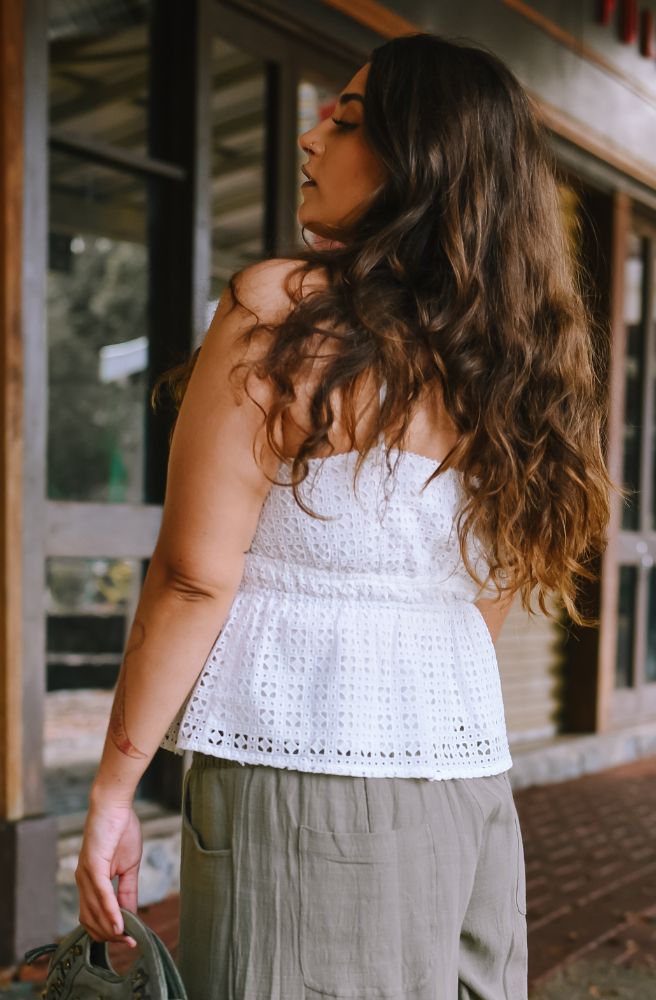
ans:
x=342 y=165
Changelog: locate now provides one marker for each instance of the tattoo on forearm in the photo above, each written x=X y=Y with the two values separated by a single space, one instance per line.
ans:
x=117 y=730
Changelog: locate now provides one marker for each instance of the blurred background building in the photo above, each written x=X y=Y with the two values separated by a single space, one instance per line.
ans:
x=149 y=150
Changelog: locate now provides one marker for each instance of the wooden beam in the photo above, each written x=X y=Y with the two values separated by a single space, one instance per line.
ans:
x=375 y=16
x=601 y=146
x=11 y=403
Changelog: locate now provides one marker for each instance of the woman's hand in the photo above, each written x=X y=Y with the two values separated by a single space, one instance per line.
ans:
x=111 y=845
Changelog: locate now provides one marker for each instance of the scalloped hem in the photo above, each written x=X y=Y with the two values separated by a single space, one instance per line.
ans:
x=501 y=764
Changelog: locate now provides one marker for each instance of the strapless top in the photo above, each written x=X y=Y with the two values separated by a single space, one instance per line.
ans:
x=353 y=644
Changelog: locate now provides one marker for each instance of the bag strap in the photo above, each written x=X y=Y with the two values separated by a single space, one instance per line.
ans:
x=40 y=950
x=170 y=983
x=174 y=982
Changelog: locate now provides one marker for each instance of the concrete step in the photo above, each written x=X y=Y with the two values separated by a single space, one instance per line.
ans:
x=567 y=756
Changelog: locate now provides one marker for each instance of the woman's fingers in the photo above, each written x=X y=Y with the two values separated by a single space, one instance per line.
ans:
x=112 y=845
x=128 y=883
x=100 y=914
x=91 y=920
x=94 y=922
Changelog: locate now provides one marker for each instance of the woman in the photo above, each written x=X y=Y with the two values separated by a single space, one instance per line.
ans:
x=318 y=619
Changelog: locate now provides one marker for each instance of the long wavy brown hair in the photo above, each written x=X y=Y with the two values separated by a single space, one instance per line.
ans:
x=459 y=274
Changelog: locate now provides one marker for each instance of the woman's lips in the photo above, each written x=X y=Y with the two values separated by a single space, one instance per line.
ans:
x=309 y=184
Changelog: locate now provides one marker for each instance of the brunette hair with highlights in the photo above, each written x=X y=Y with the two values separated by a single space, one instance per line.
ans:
x=458 y=274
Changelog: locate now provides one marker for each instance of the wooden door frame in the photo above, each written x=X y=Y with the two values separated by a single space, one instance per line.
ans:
x=619 y=707
x=12 y=761
x=89 y=530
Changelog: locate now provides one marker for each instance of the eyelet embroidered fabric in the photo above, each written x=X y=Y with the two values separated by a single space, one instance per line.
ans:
x=353 y=645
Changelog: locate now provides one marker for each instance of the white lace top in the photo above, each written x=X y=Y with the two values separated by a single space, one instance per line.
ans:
x=353 y=645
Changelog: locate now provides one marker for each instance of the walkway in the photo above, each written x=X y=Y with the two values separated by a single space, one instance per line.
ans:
x=590 y=849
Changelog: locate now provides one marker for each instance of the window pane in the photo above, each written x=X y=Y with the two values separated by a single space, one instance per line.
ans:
x=238 y=163
x=653 y=368
x=650 y=666
x=98 y=71
x=97 y=343
x=634 y=278
x=624 y=672
x=90 y=604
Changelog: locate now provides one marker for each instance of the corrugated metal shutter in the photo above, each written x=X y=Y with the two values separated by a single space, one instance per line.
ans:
x=528 y=651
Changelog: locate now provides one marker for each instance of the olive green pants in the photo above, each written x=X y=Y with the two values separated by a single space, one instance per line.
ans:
x=296 y=885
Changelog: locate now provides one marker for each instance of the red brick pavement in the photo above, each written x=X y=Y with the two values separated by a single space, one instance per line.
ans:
x=590 y=851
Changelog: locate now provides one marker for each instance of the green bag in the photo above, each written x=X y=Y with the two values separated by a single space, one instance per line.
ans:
x=79 y=969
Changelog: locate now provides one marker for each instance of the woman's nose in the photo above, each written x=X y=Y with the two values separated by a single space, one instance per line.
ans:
x=309 y=142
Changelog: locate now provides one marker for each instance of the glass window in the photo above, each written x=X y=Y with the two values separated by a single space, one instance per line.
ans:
x=90 y=604
x=98 y=72
x=238 y=139
x=653 y=368
x=98 y=362
x=624 y=667
x=97 y=342
x=634 y=279
x=650 y=666
x=87 y=603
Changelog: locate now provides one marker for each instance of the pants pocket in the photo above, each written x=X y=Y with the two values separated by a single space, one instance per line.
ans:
x=206 y=892
x=367 y=911
x=521 y=867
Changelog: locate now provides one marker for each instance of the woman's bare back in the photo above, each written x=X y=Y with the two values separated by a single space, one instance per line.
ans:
x=431 y=431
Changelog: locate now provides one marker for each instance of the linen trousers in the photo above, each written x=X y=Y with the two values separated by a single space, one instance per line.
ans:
x=298 y=885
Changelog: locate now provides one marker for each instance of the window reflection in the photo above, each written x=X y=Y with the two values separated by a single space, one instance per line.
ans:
x=98 y=72
x=90 y=604
x=653 y=368
x=650 y=666
x=87 y=603
x=238 y=164
x=97 y=346
x=634 y=277
x=624 y=666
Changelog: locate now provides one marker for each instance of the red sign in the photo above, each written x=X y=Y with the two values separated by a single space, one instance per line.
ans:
x=633 y=25
x=629 y=21
x=606 y=11
x=647 y=46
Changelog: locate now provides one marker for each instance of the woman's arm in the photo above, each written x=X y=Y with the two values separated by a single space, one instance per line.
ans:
x=494 y=611
x=214 y=493
x=174 y=628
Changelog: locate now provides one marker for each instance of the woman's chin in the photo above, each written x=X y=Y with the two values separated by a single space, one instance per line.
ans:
x=314 y=227
x=321 y=230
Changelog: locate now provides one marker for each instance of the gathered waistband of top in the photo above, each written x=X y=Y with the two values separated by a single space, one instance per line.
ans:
x=263 y=572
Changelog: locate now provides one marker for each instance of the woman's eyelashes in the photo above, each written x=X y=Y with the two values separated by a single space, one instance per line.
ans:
x=343 y=124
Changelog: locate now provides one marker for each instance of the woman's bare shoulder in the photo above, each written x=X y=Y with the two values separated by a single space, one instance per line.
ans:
x=270 y=287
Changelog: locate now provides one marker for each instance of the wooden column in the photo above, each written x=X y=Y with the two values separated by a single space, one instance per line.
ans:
x=27 y=838
x=11 y=403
